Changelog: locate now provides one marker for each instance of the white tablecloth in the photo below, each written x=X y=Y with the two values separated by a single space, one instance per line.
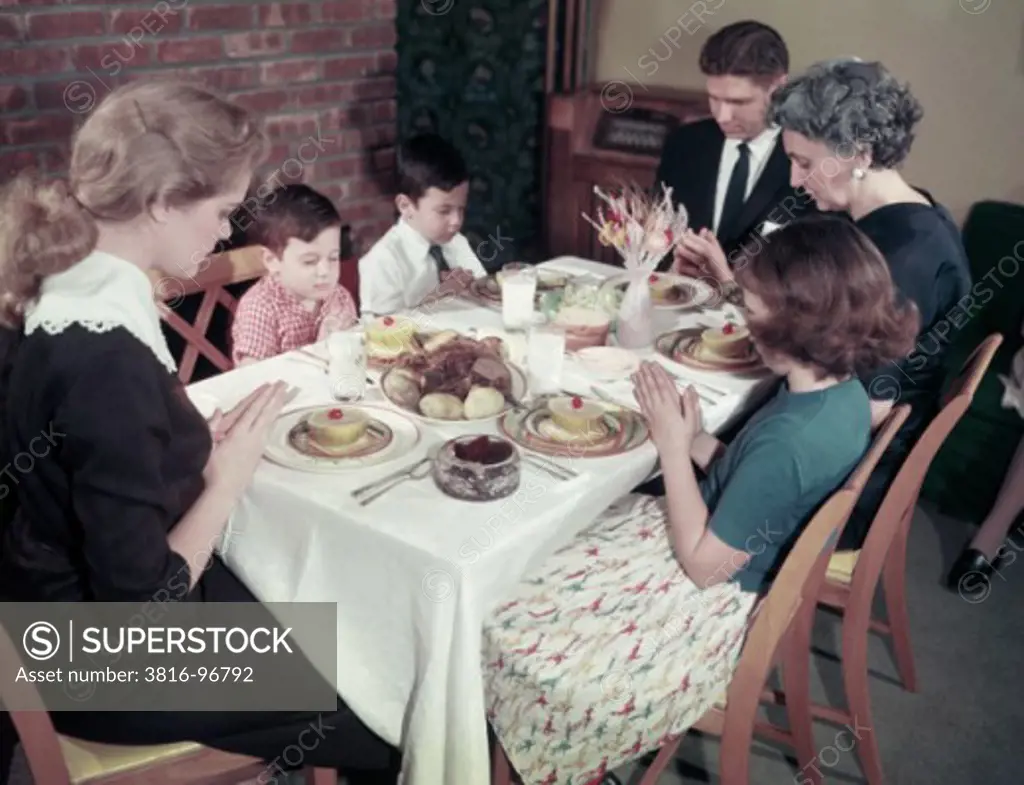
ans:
x=415 y=573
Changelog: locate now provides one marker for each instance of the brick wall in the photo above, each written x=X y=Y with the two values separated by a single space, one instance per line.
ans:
x=321 y=74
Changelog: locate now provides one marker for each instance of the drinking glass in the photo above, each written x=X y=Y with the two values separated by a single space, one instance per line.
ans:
x=545 y=358
x=346 y=365
x=518 y=290
x=514 y=267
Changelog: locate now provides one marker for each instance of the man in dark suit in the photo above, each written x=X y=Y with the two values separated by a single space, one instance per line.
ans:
x=731 y=172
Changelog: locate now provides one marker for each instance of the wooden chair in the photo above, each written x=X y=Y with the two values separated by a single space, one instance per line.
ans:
x=852 y=577
x=54 y=759
x=348 y=276
x=219 y=271
x=734 y=719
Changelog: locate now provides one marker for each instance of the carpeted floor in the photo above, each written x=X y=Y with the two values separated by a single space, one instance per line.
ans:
x=957 y=729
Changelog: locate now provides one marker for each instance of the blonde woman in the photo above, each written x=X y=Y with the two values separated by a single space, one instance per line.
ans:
x=136 y=485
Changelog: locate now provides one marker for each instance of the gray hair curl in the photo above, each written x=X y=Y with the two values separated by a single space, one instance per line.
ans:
x=853 y=107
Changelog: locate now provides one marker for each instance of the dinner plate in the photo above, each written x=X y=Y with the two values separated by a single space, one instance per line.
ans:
x=390 y=435
x=486 y=288
x=548 y=280
x=620 y=430
x=685 y=348
x=692 y=293
x=488 y=291
x=518 y=392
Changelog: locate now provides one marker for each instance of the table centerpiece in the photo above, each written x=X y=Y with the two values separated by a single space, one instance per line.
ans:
x=643 y=228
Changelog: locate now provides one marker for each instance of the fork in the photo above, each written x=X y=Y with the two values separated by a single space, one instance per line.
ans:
x=556 y=471
x=696 y=385
x=385 y=480
x=417 y=472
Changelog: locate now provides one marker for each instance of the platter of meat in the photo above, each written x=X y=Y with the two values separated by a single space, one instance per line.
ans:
x=462 y=379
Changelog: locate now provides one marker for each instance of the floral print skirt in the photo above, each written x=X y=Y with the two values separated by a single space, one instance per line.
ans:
x=608 y=650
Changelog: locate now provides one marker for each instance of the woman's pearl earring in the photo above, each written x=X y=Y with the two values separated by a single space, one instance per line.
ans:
x=858 y=174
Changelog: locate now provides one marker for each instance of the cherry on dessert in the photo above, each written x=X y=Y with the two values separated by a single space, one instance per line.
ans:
x=729 y=329
x=388 y=321
x=577 y=402
x=335 y=414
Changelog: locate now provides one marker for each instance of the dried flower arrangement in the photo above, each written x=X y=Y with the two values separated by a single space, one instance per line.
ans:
x=641 y=227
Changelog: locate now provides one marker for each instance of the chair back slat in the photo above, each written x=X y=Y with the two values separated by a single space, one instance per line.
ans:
x=217 y=272
x=798 y=581
x=897 y=508
x=35 y=729
x=348 y=276
x=965 y=384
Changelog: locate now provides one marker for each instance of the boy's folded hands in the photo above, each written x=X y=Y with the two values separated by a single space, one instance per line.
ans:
x=453 y=282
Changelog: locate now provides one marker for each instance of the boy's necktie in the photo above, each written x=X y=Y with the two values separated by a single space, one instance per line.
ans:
x=442 y=264
x=735 y=195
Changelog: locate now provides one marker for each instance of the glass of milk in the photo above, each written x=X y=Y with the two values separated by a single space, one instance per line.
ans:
x=518 y=290
x=545 y=359
x=346 y=365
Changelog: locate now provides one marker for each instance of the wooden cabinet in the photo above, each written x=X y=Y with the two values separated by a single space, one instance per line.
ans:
x=574 y=163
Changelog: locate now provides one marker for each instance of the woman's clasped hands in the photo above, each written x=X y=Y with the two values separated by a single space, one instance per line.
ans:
x=674 y=419
x=240 y=436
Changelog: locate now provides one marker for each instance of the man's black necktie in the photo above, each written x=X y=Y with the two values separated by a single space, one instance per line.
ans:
x=442 y=264
x=735 y=195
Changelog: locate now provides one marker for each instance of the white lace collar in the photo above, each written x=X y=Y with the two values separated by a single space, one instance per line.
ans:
x=100 y=293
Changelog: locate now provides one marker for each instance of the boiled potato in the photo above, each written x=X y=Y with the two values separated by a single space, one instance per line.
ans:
x=441 y=406
x=483 y=402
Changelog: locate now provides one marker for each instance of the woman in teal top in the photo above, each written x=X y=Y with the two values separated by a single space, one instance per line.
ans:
x=627 y=636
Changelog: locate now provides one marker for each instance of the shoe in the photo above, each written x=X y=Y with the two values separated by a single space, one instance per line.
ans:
x=971 y=561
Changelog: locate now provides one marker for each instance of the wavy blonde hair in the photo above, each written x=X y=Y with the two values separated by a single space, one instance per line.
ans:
x=148 y=142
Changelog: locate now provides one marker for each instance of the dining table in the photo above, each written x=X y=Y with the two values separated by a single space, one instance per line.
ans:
x=416 y=572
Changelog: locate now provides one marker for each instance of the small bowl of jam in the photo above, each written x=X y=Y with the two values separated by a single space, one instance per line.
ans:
x=477 y=468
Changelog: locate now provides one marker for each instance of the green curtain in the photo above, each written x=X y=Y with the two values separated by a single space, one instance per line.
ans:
x=473 y=71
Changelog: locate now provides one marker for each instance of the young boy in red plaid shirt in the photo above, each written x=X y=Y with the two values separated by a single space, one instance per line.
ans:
x=299 y=301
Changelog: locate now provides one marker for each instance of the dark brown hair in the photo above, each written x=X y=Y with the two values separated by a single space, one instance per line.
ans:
x=830 y=298
x=291 y=211
x=745 y=48
x=429 y=161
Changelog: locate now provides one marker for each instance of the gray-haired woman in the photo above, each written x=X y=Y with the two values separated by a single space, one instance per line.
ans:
x=847 y=126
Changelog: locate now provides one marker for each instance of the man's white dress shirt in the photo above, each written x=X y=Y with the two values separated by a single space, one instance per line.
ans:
x=761 y=147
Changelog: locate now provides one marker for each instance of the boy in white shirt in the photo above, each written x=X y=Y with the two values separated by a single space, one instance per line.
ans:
x=423 y=256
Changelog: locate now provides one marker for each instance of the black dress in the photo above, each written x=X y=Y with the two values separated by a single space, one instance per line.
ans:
x=929 y=266
x=117 y=453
